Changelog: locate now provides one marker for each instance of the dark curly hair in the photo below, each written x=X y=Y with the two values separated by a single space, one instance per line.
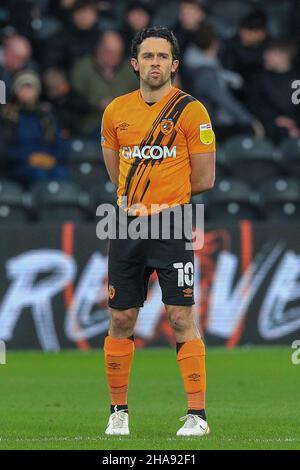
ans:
x=155 y=32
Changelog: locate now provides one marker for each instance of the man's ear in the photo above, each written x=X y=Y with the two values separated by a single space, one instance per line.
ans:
x=175 y=65
x=134 y=64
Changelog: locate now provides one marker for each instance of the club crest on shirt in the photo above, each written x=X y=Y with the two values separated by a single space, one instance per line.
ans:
x=167 y=126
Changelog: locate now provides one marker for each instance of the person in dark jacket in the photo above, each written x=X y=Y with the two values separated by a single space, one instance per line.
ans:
x=137 y=17
x=70 y=106
x=77 y=39
x=61 y=10
x=191 y=14
x=213 y=85
x=272 y=91
x=30 y=134
x=244 y=52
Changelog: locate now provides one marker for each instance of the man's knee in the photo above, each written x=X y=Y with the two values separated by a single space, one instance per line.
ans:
x=123 y=320
x=180 y=317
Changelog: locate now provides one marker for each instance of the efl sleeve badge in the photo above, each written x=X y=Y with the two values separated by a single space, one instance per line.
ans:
x=206 y=134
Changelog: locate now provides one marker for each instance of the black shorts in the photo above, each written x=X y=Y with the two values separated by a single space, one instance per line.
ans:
x=131 y=263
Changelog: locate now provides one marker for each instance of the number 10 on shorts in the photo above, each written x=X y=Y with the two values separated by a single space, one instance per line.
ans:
x=185 y=273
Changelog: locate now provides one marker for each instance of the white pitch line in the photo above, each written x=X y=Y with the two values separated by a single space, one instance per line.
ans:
x=102 y=438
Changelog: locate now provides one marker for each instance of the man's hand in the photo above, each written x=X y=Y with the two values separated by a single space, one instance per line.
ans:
x=202 y=171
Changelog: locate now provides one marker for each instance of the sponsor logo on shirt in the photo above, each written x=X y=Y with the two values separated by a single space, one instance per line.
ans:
x=147 y=152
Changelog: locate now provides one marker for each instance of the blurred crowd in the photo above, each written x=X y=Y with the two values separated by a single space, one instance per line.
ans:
x=63 y=61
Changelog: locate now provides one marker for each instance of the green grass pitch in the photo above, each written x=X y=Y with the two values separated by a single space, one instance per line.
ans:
x=60 y=401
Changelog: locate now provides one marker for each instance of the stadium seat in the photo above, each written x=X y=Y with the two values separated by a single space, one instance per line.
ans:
x=45 y=27
x=87 y=174
x=222 y=166
x=4 y=15
x=59 y=200
x=225 y=16
x=281 y=198
x=252 y=160
x=279 y=16
x=290 y=154
x=231 y=10
x=200 y=199
x=165 y=13
x=84 y=162
x=83 y=150
x=104 y=193
x=12 y=207
x=232 y=199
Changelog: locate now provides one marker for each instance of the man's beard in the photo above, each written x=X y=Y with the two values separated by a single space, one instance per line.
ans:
x=156 y=83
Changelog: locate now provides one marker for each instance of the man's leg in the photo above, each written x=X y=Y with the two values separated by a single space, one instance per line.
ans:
x=119 y=351
x=127 y=282
x=190 y=356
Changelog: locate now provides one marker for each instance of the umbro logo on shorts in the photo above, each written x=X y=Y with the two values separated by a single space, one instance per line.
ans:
x=188 y=292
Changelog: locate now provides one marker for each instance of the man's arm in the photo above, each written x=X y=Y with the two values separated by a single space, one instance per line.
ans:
x=111 y=160
x=202 y=171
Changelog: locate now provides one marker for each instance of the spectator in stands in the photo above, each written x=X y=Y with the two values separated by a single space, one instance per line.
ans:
x=271 y=92
x=30 y=133
x=191 y=13
x=77 y=39
x=62 y=10
x=69 y=106
x=137 y=17
x=103 y=76
x=294 y=30
x=244 y=52
x=16 y=55
x=21 y=15
x=211 y=84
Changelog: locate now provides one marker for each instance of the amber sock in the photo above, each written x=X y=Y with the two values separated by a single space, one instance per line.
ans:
x=191 y=361
x=118 y=358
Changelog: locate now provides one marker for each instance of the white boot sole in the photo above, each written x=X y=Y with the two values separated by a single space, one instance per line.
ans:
x=117 y=433
x=191 y=434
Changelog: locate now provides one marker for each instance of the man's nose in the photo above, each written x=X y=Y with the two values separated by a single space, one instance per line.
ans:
x=155 y=61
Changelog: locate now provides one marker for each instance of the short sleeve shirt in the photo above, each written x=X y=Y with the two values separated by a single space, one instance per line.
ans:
x=155 y=145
